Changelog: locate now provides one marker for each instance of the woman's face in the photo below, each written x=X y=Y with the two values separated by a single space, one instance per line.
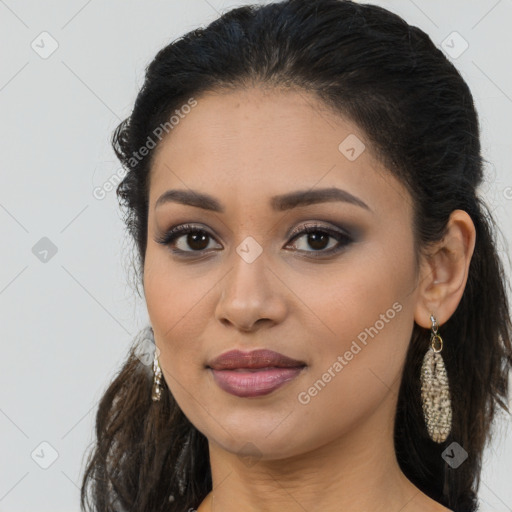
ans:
x=339 y=301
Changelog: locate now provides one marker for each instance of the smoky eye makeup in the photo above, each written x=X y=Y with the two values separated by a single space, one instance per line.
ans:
x=315 y=239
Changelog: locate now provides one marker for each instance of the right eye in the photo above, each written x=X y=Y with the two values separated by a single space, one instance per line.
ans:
x=195 y=238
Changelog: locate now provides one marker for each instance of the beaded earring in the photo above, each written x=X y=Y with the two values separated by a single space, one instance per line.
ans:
x=435 y=391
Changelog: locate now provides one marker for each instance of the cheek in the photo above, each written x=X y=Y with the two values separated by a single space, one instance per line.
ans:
x=358 y=367
x=179 y=311
x=173 y=294
x=367 y=288
x=365 y=316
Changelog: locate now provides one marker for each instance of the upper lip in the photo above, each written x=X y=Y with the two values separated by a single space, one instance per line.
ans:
x=263 y=358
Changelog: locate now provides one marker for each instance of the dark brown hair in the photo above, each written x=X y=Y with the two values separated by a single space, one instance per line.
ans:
x=418 y=115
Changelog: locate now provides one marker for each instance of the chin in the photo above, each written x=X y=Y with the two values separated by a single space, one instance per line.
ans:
x=266 y=438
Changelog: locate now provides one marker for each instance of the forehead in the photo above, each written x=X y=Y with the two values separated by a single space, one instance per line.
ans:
x=258 y=142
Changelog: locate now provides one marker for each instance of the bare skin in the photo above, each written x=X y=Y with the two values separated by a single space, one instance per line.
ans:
x=333 y=451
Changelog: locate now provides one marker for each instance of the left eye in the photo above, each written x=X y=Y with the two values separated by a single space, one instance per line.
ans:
x=317 y=236
x=198 y=239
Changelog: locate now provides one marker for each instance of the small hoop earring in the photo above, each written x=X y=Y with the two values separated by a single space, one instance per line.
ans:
x=435 y=390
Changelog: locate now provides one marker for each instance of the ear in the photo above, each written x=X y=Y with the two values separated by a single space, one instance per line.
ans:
x=444 y=271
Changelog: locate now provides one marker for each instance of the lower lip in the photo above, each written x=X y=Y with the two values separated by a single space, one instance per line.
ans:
x=247 y=383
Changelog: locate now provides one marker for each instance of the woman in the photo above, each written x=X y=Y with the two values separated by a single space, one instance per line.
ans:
x=328 y=311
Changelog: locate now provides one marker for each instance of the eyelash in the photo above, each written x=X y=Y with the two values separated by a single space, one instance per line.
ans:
x=343 y=239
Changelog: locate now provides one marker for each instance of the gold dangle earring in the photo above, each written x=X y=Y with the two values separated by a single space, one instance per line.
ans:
x=157 y=388
x=435 y=391
x=157 y=376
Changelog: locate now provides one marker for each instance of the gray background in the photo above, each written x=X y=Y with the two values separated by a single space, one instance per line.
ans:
x=68 y=317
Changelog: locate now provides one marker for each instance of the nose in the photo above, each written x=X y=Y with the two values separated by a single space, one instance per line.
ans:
x=251 y=296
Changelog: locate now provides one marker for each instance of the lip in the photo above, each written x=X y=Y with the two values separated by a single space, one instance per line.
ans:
x=256 y=373
x=236 y=359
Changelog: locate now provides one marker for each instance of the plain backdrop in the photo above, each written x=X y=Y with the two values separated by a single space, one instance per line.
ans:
x=69 y=73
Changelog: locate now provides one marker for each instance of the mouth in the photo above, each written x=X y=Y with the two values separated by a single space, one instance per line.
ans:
x=256 y=373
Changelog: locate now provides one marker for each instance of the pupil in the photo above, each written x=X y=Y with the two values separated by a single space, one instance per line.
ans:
x=198 y=240
x=313 y=240
x=193 y=239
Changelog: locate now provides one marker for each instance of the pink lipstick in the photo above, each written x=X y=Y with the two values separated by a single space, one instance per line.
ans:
x=256 y=373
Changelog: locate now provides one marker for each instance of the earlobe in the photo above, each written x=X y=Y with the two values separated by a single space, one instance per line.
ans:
x=444 y=272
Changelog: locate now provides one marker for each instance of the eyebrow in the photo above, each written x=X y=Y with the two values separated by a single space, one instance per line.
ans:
x=279 y=203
